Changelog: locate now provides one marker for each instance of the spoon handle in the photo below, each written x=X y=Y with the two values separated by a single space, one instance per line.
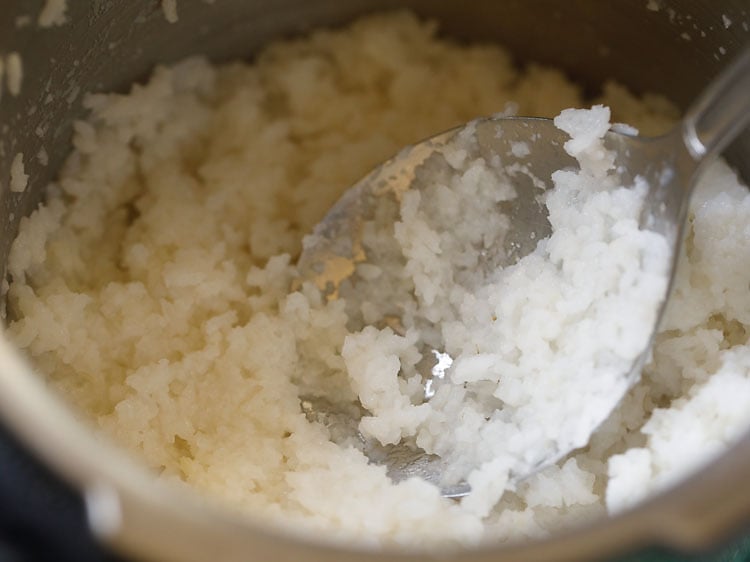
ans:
x=720 y=112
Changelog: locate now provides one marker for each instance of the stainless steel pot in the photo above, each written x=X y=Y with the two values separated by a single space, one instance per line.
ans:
x=107 y=44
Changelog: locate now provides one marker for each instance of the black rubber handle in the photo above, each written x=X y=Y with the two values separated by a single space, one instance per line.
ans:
x=41 y=518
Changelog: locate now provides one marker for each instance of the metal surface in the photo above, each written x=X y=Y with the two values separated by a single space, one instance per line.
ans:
x=109 y=43
x=331 y=253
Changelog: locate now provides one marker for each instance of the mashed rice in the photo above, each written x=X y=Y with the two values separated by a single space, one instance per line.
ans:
x=153 y=287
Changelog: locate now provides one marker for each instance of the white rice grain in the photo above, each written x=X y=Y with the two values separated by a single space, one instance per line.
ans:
x=19 y=180
x=14 y=73
x=53 y=13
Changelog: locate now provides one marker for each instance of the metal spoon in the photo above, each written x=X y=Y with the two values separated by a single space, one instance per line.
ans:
x=670 y=164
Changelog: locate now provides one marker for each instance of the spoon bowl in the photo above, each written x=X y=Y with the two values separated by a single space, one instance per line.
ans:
x=531 y=150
